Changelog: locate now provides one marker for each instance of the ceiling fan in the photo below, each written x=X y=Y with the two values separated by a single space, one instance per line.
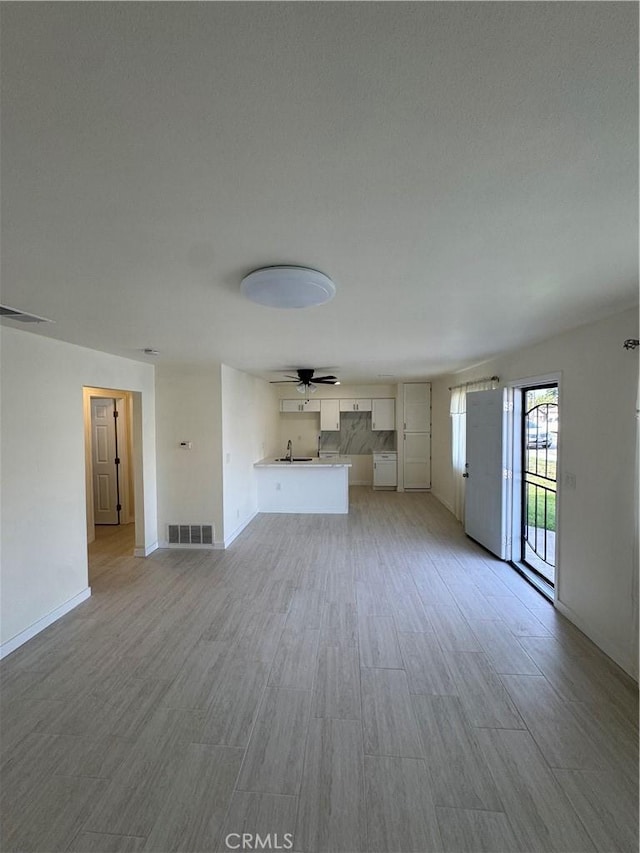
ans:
x=303 y=380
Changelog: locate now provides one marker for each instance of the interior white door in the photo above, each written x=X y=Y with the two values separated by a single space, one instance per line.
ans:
x=486 y=492
x=103 y=459
x=417 y=460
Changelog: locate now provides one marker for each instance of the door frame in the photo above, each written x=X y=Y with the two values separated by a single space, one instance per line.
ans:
x=126 y=453
x=514 y=495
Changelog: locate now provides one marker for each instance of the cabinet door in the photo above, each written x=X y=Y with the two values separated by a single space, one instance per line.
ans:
x=329 y=415
x=417 y=460
x=363 y=405
x=417 y=406
x=383 y=414
x=299 y=405
x=347 y=405
x=385 y=473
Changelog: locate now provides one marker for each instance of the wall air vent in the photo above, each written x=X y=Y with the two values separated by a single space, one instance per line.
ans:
x=21 y=316
x=182 y=535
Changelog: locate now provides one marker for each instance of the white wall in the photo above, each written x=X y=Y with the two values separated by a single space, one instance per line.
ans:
x=250 y=423
x=44 y=534
x=597 y=568
x=188 y=405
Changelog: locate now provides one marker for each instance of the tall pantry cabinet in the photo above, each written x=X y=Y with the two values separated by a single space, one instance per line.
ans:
x=416 y=435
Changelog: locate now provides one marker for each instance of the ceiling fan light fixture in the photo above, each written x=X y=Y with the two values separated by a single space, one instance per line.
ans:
x=288 y=287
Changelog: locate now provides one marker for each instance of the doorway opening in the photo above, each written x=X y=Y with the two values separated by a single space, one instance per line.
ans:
x=535 y=547
x=110 y=473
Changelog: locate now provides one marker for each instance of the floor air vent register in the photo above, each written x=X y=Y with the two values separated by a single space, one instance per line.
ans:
x=190 y=534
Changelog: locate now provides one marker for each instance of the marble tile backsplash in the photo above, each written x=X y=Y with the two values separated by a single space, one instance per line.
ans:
x=356 y=438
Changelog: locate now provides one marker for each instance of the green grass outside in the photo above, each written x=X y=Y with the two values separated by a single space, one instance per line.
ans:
x=537 y=463
x=537 y=519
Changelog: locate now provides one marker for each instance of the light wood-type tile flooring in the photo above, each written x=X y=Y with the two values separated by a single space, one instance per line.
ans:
x=373 y=682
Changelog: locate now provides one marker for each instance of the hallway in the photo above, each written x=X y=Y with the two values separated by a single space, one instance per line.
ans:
x=112 y=542
x=371 y=682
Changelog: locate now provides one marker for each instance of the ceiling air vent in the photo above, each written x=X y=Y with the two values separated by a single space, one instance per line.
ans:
x=21 y=316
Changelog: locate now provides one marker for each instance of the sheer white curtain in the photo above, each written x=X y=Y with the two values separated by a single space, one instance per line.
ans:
x=458 y=411
x=458 y=447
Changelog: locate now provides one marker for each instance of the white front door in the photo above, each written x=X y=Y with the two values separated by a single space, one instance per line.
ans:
x=485 y=500
x=103 y=456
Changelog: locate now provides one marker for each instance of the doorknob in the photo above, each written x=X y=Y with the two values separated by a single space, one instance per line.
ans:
x=466 y=474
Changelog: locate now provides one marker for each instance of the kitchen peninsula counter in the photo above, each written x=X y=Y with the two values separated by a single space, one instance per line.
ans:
x=309 y=486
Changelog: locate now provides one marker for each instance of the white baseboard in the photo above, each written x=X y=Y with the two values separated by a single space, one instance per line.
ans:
x=229 y=539
x=443 y=502
x=361 y=483
x=604 y=644
x=30 y=632
x=172 y=546
x=148 y=549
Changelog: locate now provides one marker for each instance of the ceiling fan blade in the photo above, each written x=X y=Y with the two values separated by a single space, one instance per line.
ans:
x=282 y=381
x=324 y=378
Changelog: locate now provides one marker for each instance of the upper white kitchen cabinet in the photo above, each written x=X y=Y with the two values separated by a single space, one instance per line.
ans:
x=347 y=405
x=417 y=406
x=299 y=405
x=330 y=415
x=383 y=414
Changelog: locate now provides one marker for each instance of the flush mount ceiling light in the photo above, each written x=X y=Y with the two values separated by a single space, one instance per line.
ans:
x=288 y=287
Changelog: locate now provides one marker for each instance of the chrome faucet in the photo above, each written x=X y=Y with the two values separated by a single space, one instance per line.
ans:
x=289 y=453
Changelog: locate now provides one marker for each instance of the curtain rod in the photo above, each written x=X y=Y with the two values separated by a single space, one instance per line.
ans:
x=473 y=382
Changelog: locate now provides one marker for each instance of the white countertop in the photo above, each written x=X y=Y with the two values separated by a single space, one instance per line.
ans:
x=333 y=462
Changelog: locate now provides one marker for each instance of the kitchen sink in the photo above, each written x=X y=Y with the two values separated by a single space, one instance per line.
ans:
x=295 y=459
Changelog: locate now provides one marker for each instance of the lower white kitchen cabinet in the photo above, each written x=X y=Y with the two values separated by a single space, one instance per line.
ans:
x=417 y=460
x=385 y=470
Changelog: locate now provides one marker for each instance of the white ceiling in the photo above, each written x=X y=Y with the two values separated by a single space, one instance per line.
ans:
x=466 y=172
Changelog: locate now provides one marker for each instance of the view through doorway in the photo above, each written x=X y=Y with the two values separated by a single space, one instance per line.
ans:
x=539 y=431
x=111 y=456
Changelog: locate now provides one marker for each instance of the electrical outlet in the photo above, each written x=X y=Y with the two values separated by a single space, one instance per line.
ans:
x=570 y=480
x=278 y=487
